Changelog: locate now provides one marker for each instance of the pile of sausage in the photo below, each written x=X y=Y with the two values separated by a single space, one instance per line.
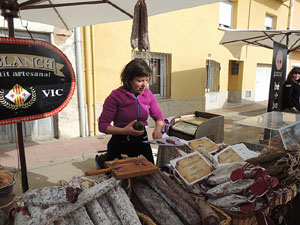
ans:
x=166 y=202
x=281 y=163
x=104 y=203
x=239 y=187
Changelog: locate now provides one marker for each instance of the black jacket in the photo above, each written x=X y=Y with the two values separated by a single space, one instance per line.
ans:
x=290 y=95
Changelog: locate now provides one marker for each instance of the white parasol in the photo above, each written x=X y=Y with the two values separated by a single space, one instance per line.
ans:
x=69 y=14
x=234 y=39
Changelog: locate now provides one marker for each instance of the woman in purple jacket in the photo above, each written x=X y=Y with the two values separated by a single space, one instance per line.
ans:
x=124 y=106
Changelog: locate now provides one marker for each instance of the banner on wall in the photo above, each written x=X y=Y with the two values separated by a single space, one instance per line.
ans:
x=278 y=75
x=36 y=80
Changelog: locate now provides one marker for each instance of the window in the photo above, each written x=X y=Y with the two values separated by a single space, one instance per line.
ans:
x=25 y=34
x=269 y=22
x=226 y=14
x=213 y=76
x=234 y=68
x=160 y=64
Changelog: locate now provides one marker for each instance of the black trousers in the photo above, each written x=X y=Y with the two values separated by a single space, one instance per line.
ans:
x=130 y=145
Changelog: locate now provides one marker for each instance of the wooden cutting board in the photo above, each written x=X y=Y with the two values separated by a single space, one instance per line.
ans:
x=126 y=168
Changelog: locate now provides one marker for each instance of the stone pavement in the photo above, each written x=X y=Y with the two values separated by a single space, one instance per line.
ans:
x=49 y=162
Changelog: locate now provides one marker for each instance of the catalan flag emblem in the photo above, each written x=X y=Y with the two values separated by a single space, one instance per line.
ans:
x=18 y=95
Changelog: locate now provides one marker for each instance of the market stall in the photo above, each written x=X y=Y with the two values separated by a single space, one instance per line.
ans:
x=207 y=183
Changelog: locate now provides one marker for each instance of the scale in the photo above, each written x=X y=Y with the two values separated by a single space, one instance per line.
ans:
x=196 y=125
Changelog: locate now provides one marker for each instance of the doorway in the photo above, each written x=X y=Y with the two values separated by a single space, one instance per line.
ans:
x=235 y=81
x=262 y=82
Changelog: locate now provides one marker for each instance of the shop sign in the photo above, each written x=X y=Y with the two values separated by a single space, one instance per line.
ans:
x=278 y=75
x=36 y=80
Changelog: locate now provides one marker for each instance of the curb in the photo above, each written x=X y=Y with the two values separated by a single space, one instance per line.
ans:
x=61 y=161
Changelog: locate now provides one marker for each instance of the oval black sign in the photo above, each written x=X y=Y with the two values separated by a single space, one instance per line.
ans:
x=36 y=80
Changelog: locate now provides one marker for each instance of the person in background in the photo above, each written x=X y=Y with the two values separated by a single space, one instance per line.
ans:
x=130 y=103
x=290 y=97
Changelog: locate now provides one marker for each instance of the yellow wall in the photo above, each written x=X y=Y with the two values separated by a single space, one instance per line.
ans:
x=295 y=15
x=191 y=36
x=294 y=57
x=254 y=18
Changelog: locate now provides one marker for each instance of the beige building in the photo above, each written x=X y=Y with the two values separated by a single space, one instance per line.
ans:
x=192 y=70
x=294 y=57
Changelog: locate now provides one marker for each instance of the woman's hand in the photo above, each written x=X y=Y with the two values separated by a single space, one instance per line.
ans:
x=157 y=134
x=129 y=130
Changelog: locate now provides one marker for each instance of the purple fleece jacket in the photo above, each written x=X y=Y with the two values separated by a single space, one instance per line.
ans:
x=122 y=107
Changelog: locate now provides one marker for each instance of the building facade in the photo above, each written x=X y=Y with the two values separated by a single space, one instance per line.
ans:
x=192 y=71
x=294 y=57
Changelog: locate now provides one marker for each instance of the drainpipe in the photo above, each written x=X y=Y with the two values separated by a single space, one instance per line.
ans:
x=291 y=12
x=79 y=81
x=290 y=26
x=89 y=76
x=248 y=26
x=94 y=80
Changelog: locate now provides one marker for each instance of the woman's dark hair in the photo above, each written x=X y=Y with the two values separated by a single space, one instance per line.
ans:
x=295 y=70
x=135 y=68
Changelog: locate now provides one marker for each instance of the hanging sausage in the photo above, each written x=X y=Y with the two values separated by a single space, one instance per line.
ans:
x=139 y=33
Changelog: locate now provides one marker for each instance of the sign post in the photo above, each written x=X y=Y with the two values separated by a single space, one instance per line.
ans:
x=25 y=187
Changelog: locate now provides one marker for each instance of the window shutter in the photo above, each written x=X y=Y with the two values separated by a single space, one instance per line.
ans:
x=225 y=19
x=268 y=22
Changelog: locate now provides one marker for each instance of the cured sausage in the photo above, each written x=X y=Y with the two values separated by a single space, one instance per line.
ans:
x=134 y=38
x=109 y=210
x=47 y=196
x=215 y=180
x=34 y=210
x=80 y=215
x=143 y=43
x=208 y=215
x=227 y=168
x=228 y=201
x=50 y=214
x=70 y=219
x=140 y=207
x=170 y=141
x=122 y=206
x=96 y=212
x=152 y=201
x=179 y=190
x=62 y=221
x=181 y=207
x=229 y=187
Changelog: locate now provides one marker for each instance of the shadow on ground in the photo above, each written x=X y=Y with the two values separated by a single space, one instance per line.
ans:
x=253 y=113
x=35 y=181
x=85 y=165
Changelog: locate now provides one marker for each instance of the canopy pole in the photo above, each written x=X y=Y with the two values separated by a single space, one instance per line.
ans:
x=11 y=33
